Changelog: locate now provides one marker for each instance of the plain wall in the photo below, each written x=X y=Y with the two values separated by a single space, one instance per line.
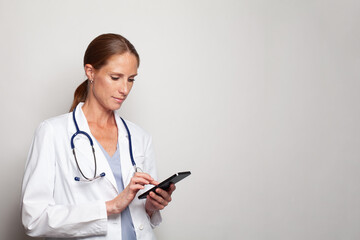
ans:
x=259 y=99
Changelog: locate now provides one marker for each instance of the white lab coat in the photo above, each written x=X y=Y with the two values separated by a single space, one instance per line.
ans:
x=56 y=206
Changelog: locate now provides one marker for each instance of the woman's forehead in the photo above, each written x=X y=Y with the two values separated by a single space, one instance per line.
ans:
x=122 y=63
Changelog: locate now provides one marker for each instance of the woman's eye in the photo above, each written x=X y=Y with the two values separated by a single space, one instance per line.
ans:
x=131 y=79
x=114 y=78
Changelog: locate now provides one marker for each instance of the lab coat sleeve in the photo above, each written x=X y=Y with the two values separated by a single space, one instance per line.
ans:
x=41 y=215
x=156 y=218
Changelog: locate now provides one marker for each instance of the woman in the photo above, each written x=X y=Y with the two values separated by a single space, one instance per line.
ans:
x=69 y=191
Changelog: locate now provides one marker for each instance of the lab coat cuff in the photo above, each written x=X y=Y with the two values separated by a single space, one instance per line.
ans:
x=102 y=223
x=155 y=219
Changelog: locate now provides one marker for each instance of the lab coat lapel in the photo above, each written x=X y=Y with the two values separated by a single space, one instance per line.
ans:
x=83 y=146
x=126 y=165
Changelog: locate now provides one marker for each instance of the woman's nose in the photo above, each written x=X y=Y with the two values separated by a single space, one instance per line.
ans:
x=124 y=87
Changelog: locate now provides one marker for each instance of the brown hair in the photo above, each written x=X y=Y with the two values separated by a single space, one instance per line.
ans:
x=97 y=54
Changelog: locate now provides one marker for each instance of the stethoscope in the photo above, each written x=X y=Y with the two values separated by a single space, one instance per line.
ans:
x=78 y=132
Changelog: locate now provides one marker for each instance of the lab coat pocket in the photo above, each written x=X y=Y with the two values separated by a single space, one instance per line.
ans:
x=85 y=191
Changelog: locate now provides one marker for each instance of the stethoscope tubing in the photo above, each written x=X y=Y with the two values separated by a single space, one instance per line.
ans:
x=78 y=132
x=130 y=143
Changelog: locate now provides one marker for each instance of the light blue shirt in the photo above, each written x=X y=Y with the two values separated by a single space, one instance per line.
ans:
x=127 y=226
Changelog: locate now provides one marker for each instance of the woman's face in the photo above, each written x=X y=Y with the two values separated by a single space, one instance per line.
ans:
x=112 y=82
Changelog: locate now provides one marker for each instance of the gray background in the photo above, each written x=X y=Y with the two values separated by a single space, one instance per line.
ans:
x=259 y=99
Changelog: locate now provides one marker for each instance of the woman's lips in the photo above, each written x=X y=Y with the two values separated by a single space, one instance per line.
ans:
x=119 y=100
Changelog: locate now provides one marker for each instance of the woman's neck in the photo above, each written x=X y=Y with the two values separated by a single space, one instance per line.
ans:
x=97 y=114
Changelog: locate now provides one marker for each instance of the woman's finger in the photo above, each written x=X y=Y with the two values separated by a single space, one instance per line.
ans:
x=139 y=180
x=157 y=201
x=171 y=189
x=162 y=194
x=144 y=175
x=166 y=194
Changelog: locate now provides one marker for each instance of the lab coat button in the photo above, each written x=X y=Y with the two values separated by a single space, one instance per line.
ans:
x=141 y=227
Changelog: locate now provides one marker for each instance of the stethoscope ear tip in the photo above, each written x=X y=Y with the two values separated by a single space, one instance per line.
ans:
x=77 y=179
x=102 y=174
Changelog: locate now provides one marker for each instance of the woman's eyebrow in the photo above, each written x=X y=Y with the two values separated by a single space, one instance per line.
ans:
x=116 y=73
x=121 y=74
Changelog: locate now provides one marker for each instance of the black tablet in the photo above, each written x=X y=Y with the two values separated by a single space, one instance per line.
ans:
x=166 y=183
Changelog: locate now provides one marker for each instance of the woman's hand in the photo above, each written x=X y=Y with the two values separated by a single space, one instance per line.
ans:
x=159 y=200
x=137 y=182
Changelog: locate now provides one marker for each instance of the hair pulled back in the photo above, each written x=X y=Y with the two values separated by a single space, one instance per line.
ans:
x=97 y=54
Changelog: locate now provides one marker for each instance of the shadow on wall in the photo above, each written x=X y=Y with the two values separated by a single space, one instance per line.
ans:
x=12 y=214
x=11 y=227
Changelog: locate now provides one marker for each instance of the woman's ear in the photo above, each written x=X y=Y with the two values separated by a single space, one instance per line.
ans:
x=89 y=71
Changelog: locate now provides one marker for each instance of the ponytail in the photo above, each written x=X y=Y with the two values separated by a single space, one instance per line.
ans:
x=80 y=94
